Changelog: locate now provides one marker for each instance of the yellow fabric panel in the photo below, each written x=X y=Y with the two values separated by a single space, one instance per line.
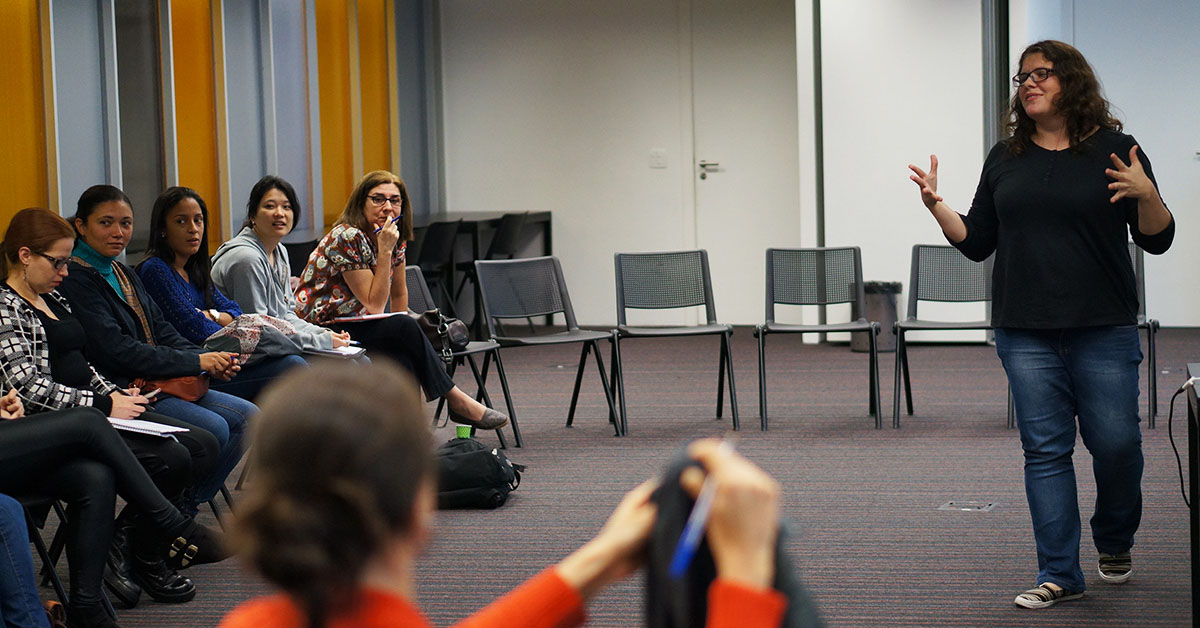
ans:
x=22 y=117
x=333 y=69
x=373 y=73
x=195 y=107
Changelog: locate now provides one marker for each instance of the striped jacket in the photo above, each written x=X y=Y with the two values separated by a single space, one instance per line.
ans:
x=25 y=359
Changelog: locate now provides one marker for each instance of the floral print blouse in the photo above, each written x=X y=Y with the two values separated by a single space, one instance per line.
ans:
x=323 y=294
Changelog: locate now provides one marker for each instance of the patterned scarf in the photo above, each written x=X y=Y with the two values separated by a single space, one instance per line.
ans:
x=127 y=292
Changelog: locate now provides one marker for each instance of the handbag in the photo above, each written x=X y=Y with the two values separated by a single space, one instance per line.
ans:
x=187 y=388
x=447 y=335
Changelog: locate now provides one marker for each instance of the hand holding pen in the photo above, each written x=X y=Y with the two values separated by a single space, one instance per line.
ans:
x=390 y=222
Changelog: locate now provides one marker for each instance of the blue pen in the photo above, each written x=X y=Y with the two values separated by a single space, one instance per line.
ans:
x=394 y=221
x=693 y=530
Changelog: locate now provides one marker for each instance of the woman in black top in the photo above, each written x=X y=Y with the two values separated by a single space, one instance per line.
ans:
x=1057 y=202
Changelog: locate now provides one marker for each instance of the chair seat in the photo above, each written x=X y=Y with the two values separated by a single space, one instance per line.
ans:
x=695 y=330
x=478 y=346
x=562 y=337
x=918 y=324
x=789 y=328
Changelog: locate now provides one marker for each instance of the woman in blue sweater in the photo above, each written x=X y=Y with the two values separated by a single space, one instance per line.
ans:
x=177 y=275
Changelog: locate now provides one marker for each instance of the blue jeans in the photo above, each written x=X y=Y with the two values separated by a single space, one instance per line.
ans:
x=252 y=379
x=226 y=417
x=19 y=603
x=1056 y=376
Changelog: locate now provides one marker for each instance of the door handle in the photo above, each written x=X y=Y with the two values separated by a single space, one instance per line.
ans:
x=708 y=164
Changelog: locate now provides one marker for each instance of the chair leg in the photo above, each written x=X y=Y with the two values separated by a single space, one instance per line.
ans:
x=578 y=380
x=619 y=382
x=721 y=379
x=876 y=406
x=1152 y=375
x=898 y=377
x=508 y=402
x=242 y=477
x=437 y=413
x=907 y=381
x=47 y=565
x=1012 y=410
x=608 y=396
x=762 y=379
x=733 y=404
x=482 y=396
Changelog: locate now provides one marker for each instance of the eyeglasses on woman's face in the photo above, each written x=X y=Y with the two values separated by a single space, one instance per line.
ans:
x=379 y=200
x=1038 y=75
x=59 y=263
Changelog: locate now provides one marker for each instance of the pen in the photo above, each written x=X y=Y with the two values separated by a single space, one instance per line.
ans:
x=394 y=221
x=693 y=530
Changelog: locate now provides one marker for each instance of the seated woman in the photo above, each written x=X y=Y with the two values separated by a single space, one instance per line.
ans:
x=127 y=337
x=176 y=275
x=253 y=267
x=357 y=268
x=76 y=456
x=354 y=534
x=43 y=361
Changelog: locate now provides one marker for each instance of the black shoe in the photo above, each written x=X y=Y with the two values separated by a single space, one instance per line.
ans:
x=161 y=582
x=90 y=616
x=125 y=591
x=194 y=544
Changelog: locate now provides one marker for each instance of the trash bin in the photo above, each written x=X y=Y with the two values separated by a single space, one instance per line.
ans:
x=881 y=307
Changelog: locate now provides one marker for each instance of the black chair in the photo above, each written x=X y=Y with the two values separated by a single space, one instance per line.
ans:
x=1151 y=326
x=298 y=253
x=37 y=509
x=817 y=276
x=435 y=256
x=528 y=287
x=670 y=280
x=939 y=273
x=421 y=300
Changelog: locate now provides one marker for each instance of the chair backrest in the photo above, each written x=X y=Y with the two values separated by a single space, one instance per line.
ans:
x=814 y=276
x=298 y=253
x=1137 y=258
x=420 y=299
x=523 y=288
x=507 y=239
x=437 y=245
x=942 y=273
x=664 y=280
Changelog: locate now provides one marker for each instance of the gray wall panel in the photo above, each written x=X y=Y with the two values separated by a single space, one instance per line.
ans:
x=243 y=95
x=79 y=87
x=291 y=108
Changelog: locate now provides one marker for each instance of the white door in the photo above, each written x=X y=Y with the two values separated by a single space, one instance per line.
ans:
x=745 y=122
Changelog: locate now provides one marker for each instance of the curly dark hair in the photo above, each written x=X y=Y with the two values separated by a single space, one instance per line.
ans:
x=1080 y=102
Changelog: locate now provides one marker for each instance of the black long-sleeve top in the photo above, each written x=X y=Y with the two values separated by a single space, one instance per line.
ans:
x=1062 y=257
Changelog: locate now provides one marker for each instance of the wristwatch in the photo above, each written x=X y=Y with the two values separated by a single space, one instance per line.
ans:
x=215 y=314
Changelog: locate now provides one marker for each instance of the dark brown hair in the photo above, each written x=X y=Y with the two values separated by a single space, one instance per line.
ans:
x=198 y=267
x=1079 y=103
x=353 y=214
x=340 y=455
x=35 y=228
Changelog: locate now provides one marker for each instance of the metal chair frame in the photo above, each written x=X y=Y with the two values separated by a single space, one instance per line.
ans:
x=535 y=286
x=782 y=267
x=49 y=556
x=436 y=255
x=1137 y=258
x=689 y=285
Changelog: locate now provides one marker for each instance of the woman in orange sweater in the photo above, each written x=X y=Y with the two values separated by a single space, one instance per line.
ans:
x=343 y=503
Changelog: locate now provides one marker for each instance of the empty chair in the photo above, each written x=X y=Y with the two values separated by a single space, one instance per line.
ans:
x=421 y=300
x=524 y=288
x=938 y=273
x=670 y=280
x=435 y=256
x=817 y=276
x=1151 y=327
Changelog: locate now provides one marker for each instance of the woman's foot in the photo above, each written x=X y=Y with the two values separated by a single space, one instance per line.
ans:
x=162 y=583
x=465 y=410
x=89 y=616
x=1044 y=595
x=193 y=544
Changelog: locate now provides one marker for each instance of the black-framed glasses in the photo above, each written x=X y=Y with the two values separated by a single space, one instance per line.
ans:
x=1039 y=75
x=380 y=200
x=59 y=263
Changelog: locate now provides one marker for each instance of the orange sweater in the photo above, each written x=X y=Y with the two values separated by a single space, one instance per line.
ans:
x=544 y=601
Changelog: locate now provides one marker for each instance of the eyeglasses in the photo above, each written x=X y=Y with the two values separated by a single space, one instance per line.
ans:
x=1038 y=75
x=380 y=200
x=59 y=263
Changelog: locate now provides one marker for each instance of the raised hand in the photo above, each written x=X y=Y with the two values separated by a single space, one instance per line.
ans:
x=387 y=239
x=927 y=181
x=1131 y=180
x=618 y=549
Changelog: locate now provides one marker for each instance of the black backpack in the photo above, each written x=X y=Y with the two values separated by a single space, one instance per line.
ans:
x=473 y=475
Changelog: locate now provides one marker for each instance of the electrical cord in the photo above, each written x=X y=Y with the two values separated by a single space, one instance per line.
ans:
x=1171 y=437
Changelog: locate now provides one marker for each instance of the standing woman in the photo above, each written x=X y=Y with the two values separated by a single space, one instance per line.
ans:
x=128 y=338
x=176 y=275
x=357 y=268
x=253 y=266
x=1057 y=202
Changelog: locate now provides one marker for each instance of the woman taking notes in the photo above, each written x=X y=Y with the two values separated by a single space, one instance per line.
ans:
x=357 y=268
x=1057 y=202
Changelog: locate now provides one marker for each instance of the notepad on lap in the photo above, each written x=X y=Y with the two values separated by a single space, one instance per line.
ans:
x=145 y=427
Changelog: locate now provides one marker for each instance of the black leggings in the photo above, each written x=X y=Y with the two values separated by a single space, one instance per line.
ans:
x=401 y=339
x=76 y=456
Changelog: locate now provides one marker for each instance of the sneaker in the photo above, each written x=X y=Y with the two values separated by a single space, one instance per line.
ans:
x=1115 y=568
x=1044 y=595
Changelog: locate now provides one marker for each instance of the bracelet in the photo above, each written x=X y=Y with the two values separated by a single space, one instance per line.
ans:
x=216 y=315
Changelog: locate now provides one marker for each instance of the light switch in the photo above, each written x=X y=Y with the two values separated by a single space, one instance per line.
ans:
x=658 y=158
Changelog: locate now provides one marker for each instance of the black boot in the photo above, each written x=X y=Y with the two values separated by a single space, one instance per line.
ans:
x=117 y=579
x=159 y=581
x=90 y=616
x=193 y=544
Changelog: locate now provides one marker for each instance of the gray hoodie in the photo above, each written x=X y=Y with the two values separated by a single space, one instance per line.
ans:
x=240 y=269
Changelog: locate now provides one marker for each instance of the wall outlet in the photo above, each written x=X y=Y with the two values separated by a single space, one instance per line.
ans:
x=658 y=158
